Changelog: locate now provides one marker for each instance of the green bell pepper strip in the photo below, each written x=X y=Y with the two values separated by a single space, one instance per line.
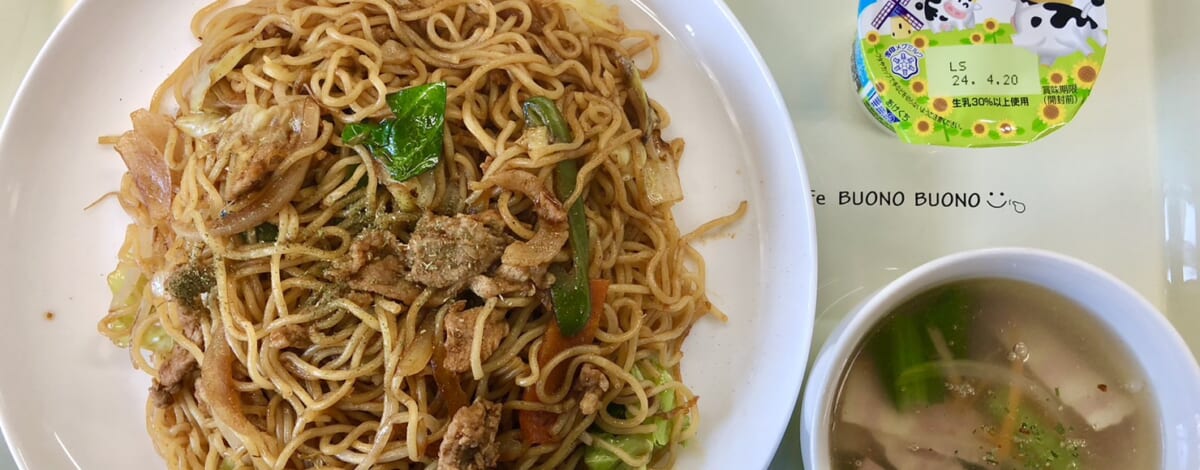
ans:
x=571 y=293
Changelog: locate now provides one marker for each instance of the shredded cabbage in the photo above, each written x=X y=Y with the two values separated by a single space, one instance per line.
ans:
x=128 y=286
x=595 y=13
x=157 y=340
x=198 y=125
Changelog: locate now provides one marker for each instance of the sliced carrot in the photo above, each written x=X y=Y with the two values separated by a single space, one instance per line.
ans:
x=537 y=427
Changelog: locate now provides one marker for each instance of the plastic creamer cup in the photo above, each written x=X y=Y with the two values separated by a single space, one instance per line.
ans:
x=977 y=73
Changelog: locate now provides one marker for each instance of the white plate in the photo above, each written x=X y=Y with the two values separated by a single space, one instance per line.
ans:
x=69 y=399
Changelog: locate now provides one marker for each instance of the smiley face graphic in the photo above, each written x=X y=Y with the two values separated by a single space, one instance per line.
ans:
x=1018 y=207
x=997 y=205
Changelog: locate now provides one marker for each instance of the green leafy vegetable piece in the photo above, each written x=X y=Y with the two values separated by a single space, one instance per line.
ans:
x=410 y=143
x=1037 y=444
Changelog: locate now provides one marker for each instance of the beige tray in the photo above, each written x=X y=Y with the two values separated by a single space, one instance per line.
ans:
x=1118 y=187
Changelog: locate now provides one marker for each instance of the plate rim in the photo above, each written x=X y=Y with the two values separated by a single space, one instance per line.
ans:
x=806 y=211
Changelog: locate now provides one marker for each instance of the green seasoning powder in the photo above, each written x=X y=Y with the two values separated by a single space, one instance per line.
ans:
x=969 y=73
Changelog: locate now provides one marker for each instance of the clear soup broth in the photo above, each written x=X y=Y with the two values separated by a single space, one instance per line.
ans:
x=993 y=374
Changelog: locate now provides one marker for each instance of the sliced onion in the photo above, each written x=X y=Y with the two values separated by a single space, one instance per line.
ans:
x=547 y=206
x=540 y=249
x=219 y=391
x=150 y=173
x=593 y=12
x=199 y=125
x=213 y=72
x=153 y=126
x=536 y=139
x=309 y=122
x=265 y=204
x=416 y=355
x=662 y=181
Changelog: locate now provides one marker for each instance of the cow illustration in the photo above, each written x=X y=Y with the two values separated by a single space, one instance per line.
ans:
x=948 y=15
x=1053 y=30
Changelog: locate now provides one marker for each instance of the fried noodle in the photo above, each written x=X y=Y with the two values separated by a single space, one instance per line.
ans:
x=267 y=280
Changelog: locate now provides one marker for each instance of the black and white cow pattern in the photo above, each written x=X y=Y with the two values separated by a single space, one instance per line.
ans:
x=1053 y=30
x=948 y=15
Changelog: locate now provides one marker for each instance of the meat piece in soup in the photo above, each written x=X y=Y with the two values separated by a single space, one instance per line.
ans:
x=992 y=373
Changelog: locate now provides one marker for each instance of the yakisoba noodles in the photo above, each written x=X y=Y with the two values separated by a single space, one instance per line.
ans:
x=409 y=234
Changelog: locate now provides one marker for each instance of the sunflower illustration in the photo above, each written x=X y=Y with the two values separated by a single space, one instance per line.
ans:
x=980 y=129
x=941 y=106
x=1086 y=73
x=873 y=38
x=1051 y=114
x=1007 y=129
x=881 y=87
x=918 y=87
x=1057 y=77
x=923 y=126
x=991 y=25
x=919 y=41
x=977 y=38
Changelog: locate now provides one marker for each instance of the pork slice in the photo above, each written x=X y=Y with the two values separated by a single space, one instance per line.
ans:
x=368 y=246
x=386 y=277
x=545 y=203
x=374 y=263
x=487 y=287
x=870 y=464
x=511 y=280
x=470 y=441
x=460 y=334
x=189 y=322
x=449 y=251
x=171 y=374
x=945 y=431
x=290 y=336
x=592 y=383
x=258 y=139
x=1064 y=370
x=904 y=456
